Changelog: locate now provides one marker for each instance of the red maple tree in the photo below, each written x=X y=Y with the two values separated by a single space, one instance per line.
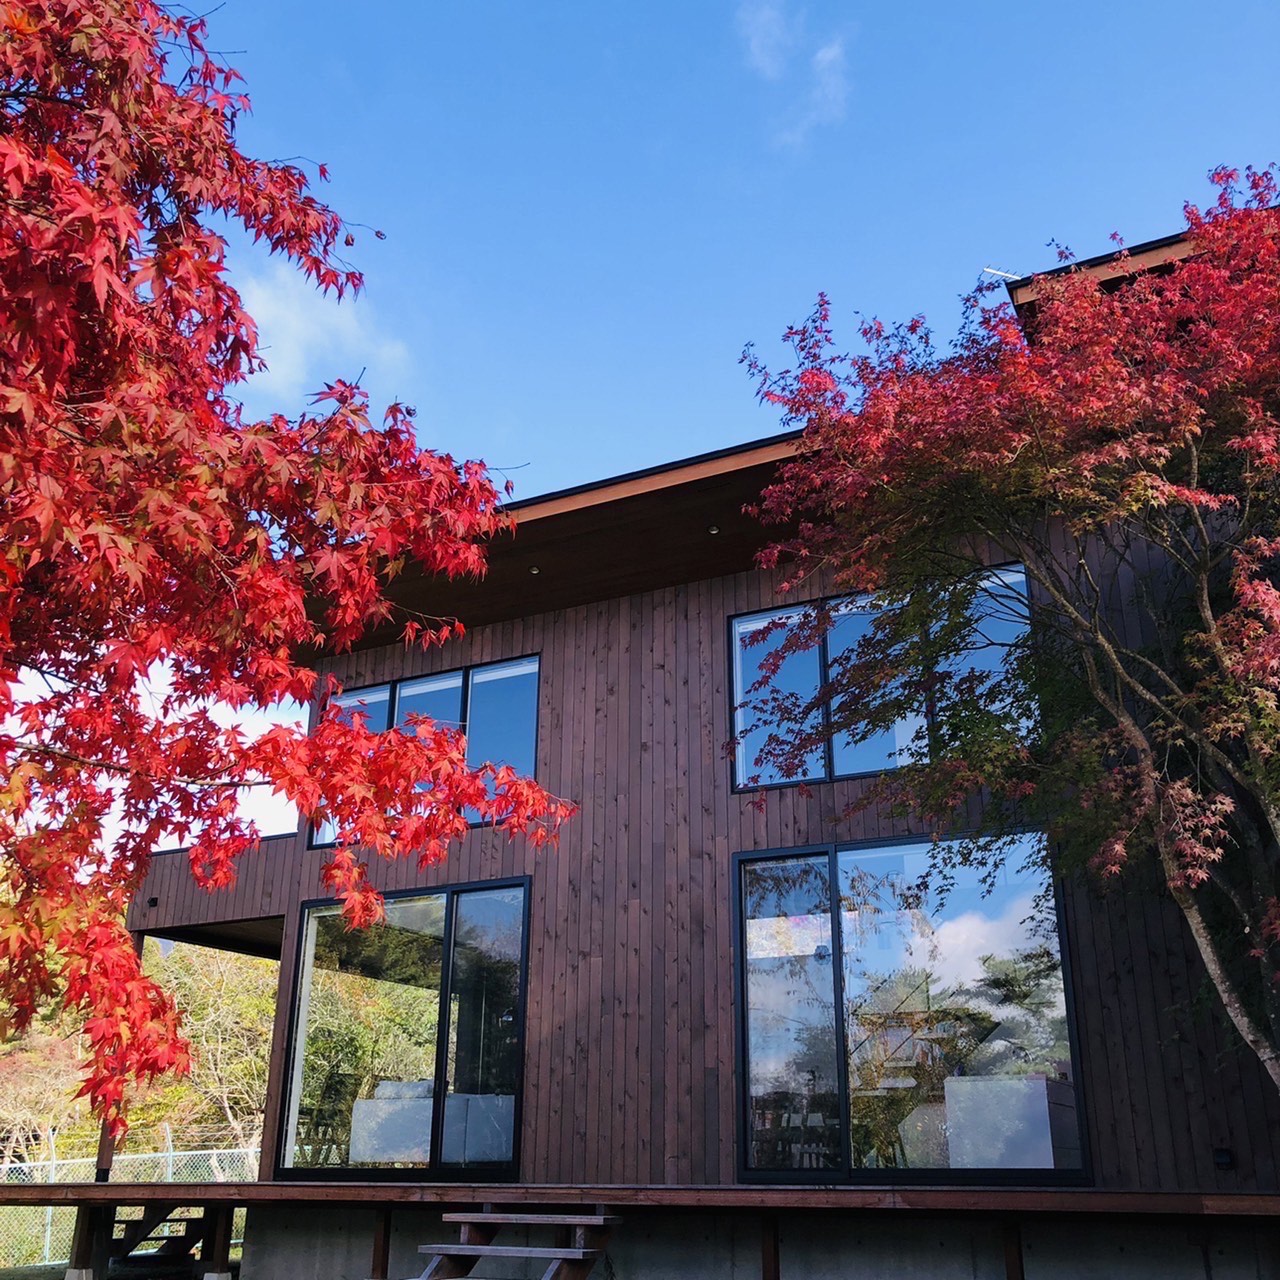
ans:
x=146 y=527
x=1123 y=447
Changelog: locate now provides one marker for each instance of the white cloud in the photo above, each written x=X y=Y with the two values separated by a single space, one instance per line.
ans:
x=962 y=941
x=309 y=339
x=828 y=93
x=773 y=34
x=769 y=35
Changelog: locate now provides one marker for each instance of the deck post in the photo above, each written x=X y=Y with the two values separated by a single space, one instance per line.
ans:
x=770 y=1251
x=106 y=1154
x=1014 y=1268
x=379 y=1264
x=215 y=1250
x=90 y=1242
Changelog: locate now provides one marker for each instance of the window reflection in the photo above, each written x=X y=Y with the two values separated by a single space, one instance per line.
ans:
x=495 y=706
x=373 y=1008
x=438 y=698
x=851 y=622
x=998 y=617
x=373 y=704
x=792 y=1058
x=484 y=1039
x=365 y=1057
x=502 y=717
x=798 y=678
x=956 y=1021
x=953 y=1028
x=502 y=714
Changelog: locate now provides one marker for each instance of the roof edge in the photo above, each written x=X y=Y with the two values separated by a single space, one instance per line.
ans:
x=666 y=475
x=1107 y=266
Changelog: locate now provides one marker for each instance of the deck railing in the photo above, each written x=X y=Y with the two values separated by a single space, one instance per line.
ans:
x=35 y=1235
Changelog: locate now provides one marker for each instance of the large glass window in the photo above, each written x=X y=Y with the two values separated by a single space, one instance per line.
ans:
x=886 y=1029
x=391 y=1019
x=484 y=1041
x=495 y=706
x=502 y=716
x=793 y=1059
x=999 y=619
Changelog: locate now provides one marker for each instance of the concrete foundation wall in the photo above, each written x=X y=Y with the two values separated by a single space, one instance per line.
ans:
x=316 y=1243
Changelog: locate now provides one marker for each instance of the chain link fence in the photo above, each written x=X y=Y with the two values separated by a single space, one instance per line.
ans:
x=35 y=1235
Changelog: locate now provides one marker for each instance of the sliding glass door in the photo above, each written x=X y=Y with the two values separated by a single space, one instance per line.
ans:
x=408 y=1037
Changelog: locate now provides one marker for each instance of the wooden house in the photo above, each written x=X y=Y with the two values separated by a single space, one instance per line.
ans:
x=702 y=1037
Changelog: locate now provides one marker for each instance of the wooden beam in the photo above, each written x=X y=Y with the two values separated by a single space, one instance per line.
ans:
x=139 y=1229
x=997 y=1201
x=91 y=1242
x=82 y=1237
x=106 y=1154
x=279 y=1061
x=656 y=480
x=1026 y=291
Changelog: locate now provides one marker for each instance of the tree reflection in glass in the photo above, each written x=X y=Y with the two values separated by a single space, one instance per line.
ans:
x=949 y=1048
x=484 y=1028
x=955 y=1020
x=792 y=1052
x=365 y=1060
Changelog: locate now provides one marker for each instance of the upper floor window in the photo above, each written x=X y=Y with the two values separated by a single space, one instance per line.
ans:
x=495 y=706
x=998 y=620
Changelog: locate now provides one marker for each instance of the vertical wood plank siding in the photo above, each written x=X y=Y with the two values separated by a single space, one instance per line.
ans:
x=629 y=1071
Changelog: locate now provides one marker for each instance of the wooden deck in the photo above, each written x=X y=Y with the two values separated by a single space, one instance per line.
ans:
x=926 y=1200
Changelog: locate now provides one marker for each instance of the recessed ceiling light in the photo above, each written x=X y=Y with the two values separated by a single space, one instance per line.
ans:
x=533 y=568
x=713 y=528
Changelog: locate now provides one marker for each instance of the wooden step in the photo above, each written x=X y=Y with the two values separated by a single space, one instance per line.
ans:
x=507 y=1251
x=535 y=1219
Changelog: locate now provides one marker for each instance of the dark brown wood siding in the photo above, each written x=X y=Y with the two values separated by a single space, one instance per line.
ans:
x=629 y=1072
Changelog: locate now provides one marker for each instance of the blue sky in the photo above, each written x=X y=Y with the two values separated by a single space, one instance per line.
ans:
x=591 y=207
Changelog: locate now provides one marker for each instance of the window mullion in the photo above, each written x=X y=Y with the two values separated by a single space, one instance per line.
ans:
x=842 y=1029
x=464 y=710
x=444 y=1028
x=824 y=678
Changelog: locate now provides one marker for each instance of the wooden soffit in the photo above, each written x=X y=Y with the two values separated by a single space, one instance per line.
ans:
x=638 y=532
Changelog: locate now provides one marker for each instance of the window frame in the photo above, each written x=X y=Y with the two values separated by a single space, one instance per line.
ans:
x=443 y=1173
x=464 y=710
x=847 y=1175
x=829 y=775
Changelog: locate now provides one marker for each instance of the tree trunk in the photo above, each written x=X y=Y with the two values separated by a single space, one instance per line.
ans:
x=1240 y=1017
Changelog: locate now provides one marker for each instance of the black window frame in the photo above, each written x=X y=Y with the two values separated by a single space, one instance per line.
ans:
x=464 y=710
x=507 y=1171
x=829 y=775
x=847 y=1175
